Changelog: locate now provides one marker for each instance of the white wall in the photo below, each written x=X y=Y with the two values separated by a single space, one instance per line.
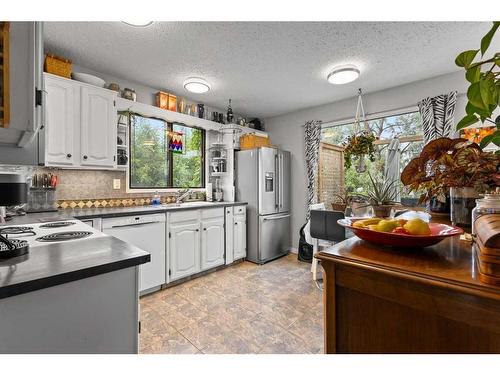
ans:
x=145 y=94
x=286 y=131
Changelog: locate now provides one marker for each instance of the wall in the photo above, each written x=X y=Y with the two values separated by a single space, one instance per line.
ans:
x=145 y=94
x=286 y=130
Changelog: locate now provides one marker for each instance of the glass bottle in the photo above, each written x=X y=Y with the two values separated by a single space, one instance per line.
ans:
x=489 y=205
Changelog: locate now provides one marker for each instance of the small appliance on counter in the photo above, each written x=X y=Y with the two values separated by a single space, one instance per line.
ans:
x=13 y=191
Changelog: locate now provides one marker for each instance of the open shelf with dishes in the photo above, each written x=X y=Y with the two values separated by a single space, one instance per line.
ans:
x=122 y=141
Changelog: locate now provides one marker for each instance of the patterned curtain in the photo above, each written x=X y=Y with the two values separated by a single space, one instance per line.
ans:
x=437 y=115
x=312 y=130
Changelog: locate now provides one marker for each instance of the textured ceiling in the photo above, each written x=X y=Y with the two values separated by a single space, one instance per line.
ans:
x=267 y=68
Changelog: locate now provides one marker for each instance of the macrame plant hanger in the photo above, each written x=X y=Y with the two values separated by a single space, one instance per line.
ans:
x=360 y=117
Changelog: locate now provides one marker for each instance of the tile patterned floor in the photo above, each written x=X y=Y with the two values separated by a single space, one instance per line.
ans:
x=245 y=308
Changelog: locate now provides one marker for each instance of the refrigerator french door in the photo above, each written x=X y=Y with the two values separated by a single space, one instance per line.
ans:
x=263 y=181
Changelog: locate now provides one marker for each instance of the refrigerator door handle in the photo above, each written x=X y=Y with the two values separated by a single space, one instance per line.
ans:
x=281 y=179
x=278 y=182
x=276 y=218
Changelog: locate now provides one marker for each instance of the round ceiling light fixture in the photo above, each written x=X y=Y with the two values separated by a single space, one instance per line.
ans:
x=196 y=85
x=138 y=23
x=343 y=74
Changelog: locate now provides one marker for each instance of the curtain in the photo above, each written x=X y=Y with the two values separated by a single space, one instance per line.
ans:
x=312 y=137
x=392 y=172
x=437 y=115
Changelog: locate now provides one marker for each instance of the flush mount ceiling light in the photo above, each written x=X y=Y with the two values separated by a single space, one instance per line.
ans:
x=138 y=23
x=343 y=74
x=196 y=85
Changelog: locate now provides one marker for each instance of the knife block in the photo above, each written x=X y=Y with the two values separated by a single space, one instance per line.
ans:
x=41 y=199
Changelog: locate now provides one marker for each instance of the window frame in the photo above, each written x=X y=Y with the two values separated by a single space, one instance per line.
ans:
x=170 y=178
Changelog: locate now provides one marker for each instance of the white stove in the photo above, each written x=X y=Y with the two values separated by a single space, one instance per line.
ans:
x=39 y=234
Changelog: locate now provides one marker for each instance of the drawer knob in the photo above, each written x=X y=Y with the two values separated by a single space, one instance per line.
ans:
x=84 y=157
x=68 y=155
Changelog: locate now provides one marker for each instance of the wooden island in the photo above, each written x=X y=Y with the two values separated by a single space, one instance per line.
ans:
x=384 y=300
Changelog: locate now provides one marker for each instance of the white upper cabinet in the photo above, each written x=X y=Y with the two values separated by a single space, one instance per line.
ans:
x=80 y=125
x=212 y=243
x=98 y=127
x=61 y=120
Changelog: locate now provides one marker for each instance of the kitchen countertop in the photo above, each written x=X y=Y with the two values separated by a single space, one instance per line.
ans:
x=60 y=263
x=104 y=212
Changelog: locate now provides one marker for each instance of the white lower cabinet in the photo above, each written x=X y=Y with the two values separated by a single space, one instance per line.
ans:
x=212 y=243
x=184 y=248
x=239 y=237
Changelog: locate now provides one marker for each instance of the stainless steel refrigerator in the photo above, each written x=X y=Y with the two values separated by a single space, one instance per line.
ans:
x=263 y=181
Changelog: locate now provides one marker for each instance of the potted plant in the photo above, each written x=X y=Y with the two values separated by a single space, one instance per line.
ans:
x=357 y=146
x=483 y=93
x=454 y=165
x=381 y=196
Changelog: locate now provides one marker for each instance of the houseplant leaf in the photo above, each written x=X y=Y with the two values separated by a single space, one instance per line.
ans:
x=485 y=42
x=465 y=58
x=474 y=96
x=466 y=121
x=473 y=73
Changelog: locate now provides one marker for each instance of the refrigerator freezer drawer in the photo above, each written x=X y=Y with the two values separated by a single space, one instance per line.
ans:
x=274 y=233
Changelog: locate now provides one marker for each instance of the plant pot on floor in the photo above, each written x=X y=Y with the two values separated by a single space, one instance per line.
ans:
x=382 y=210
x=462 y=202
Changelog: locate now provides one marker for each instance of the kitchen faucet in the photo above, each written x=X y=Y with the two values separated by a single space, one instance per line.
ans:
x=183 y=195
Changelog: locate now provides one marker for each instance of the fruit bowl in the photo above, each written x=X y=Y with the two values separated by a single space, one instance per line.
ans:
x=438 y=233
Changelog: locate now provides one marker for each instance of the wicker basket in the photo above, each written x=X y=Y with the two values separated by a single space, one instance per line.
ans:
x=58 y=66
x=250 y=141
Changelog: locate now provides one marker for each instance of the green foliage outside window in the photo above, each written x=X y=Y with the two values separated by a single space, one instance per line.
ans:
x=384 y=128
x=153 y=166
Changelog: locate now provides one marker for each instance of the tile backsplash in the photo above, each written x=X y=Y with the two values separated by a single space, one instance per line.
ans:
x=94 y=188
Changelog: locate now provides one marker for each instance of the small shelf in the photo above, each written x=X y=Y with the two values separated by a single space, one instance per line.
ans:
x=122 y=167
x=124 y=147
x=122 y=126
x=220 y=158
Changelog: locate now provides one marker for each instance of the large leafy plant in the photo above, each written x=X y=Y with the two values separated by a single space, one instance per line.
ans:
x=483 y=93
x=445 y=163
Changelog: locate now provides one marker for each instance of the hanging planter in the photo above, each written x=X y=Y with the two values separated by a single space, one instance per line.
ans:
x=360 y=144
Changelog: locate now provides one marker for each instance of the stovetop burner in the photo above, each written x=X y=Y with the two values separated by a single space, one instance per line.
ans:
x=58 y=224
x=63 y=236
x=17 y=230
x=13 y=248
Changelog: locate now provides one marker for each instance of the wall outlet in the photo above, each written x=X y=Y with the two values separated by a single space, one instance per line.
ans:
x=116 y=183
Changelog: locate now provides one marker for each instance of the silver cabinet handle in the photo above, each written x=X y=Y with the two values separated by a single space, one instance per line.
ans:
x=276 y=218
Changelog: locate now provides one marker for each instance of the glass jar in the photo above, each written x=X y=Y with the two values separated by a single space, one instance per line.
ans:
x=489 y=205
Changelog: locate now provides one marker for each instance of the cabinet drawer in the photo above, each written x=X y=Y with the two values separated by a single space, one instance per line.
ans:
x=180 y=216
x=208 y=213
x=239 y=210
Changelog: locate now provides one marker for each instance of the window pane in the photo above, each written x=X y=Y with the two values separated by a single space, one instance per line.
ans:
x=385 y=129
x=148 y=156
x=188 y=166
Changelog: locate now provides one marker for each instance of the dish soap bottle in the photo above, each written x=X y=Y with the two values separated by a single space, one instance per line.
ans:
x=156 y=199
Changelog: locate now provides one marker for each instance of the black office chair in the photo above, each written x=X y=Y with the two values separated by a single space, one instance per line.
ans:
x=324 y=227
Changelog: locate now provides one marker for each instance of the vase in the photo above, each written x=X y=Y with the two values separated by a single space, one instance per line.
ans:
x=462 y=202
x=382 y=211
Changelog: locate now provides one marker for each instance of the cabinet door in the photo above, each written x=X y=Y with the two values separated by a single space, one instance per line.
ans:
x=184 y=249
x=240 y=237
x=212 y=243
x=61 y=122
x=98 y=127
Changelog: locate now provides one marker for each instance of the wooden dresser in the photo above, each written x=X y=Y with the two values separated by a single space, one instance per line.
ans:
x=383 y=300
